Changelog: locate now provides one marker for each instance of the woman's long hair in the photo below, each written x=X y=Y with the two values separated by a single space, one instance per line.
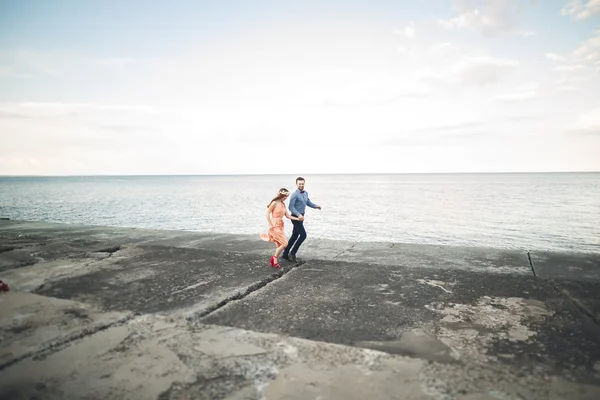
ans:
x=280 y=195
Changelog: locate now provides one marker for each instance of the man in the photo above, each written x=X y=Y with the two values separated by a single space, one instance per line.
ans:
x=298 y=202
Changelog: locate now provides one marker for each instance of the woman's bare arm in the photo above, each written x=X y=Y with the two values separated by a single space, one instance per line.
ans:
x=269 y=211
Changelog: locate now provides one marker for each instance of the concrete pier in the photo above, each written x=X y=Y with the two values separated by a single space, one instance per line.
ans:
x=118 y=313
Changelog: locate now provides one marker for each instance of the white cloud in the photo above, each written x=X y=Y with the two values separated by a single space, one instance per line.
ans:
x=526 y=92
x=588 y=122
x=555 y=57
x=526 y=33
x=565 y=88
x=514 y=97
x=589 y=50
x=569 y=68
x=477 y=70
x=491 y=17
x=409 y=31
x=581 y=10
x=485 y=70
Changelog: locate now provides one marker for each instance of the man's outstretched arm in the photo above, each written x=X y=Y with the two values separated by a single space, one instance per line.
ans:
x=311 y=204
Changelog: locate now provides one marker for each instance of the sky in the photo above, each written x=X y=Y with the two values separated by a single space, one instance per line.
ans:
x=278 y=87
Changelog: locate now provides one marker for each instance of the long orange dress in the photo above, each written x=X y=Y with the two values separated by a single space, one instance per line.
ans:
x=276 y=233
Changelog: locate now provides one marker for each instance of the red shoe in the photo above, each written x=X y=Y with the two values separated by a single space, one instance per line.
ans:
x=274 y=263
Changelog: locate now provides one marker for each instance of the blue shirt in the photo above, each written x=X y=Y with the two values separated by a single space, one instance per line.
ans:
x=298 y=202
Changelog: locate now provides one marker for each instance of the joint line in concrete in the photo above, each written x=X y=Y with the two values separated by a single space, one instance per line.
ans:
x=575 y=302
x=531 y=263
x=240 y=295
x=343 y=251
x=64 y=342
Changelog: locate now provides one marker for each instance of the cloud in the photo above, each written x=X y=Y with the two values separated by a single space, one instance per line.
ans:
x=565 y=88
x=555 y=57
x=437 y=133
x=526 y=33
x=454 y=131
x=579 y=10
x=408 y=31
x=473 y=70
x=589 y=50
x=490 y=17
x=569 y=68
x=515 y=97
x=588 y=123
x=72 y=138
x=28 y=110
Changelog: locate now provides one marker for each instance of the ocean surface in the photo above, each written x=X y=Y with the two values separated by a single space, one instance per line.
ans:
x=542 y=211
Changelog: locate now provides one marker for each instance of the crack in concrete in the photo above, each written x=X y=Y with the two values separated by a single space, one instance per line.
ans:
x=66 y=341
x=531 y=263
x=580 y=306
x=110 y=250
x=240 y=295
x=345 y=250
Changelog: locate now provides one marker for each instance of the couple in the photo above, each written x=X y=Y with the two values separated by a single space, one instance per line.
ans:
x=275 y=212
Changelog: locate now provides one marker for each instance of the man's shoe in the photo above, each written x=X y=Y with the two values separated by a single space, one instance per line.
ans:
x=293 y=258
x=285 y=257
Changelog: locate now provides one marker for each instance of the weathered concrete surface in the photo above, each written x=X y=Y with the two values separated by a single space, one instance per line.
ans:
x=439 y=257
x=574 y=276
x=149 y=279
x=457 y=315
x=153 y=357
x=474 y=323
x=30 y=324
x=18 y=233
x=567 y=266
x=157 y=357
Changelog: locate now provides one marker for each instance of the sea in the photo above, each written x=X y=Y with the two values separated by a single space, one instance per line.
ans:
x=528 y=211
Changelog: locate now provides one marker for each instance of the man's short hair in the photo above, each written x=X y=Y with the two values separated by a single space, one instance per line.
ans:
x=299 y=179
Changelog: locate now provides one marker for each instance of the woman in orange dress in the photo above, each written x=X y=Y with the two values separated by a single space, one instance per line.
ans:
x=275 y=212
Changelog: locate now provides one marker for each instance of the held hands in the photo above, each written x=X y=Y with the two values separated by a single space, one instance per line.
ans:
x=300 y=217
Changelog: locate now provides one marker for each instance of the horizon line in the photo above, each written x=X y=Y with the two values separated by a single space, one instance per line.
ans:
x=290 y=174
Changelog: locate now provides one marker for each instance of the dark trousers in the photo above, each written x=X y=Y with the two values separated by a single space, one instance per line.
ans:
x=298 y=236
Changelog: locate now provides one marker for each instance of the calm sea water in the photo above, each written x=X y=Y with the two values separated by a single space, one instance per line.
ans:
x=553 y=211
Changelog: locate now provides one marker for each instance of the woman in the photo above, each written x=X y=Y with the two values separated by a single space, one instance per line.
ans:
x=275 y=212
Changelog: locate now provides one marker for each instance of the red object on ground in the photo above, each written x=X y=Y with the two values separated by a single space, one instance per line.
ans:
x=4 y=287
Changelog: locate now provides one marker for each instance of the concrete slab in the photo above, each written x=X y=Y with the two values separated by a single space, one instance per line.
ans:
x=151 y=357
x=585 y=295
x=442 y=315
x=65 y=233
x=159 y=279
x=576 y=275
x=156 y=357
x=41 y=233
x=475 y=323
x=569 y=266
x=31 y=323
x=439 y=257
